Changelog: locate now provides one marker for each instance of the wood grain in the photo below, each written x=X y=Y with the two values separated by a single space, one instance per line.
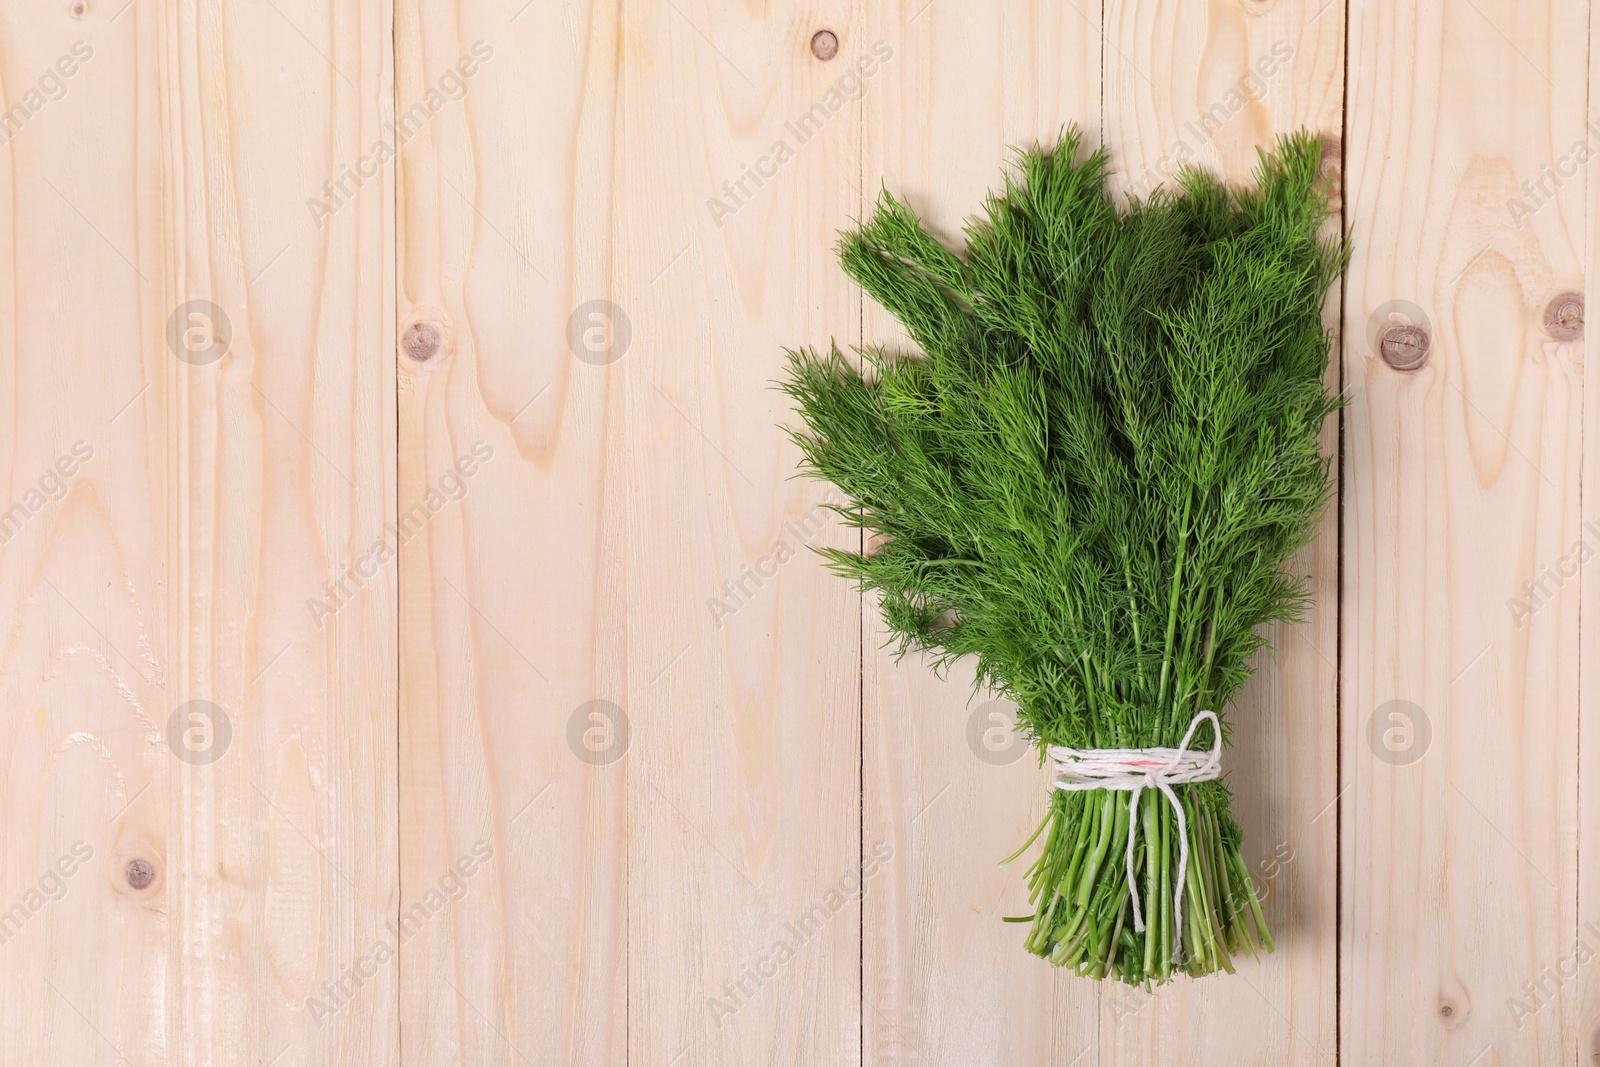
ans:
x=539 y=734
x=513 y=829
x=1208 y=87
x=673 y=442
x=948 y=788
x=741 y=151
x=236 y=862
x=1459 y=851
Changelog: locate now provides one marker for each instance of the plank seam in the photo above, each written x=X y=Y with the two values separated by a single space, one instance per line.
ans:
x=1338 y=614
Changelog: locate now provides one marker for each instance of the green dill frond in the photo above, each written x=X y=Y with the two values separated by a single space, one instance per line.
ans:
x=1094 y=472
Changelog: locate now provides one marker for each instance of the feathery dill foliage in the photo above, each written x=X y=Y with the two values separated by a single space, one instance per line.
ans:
x=1091 y=479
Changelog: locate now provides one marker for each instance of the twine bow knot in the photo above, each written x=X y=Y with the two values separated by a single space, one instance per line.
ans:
x=1138 y=769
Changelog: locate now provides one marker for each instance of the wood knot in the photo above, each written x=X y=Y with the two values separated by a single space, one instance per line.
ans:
x=139 y=873
x=824 y=45
x=1563 y=317
x=78 y=9
x=1405 y=347
x=1330 y=171
x=422 y=340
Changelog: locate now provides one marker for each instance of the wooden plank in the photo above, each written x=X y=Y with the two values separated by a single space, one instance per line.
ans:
x=948 y=792
x=741 y=150
x=659 y=794
x=234 y=859
x=1462 y=482
x=513 y=821
x=1207 y=87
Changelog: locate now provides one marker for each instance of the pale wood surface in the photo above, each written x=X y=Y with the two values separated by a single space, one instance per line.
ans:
x=179 y=562
x=744 y=792
x=595 y=732
x=513 y=596
x=1461 y=481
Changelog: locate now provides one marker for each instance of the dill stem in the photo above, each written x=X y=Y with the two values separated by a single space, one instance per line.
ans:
x=1150 y=870
x=1172 y=604
x=1205 y=887
x=1116 y=932
x=1133 y=612
x=1119 y=888
x=1164 y=884
x=1196 y=920
x=1205 y=668
x=1089 y=690
x=1255 y=905
x=1031 y=839
x=1107 y=823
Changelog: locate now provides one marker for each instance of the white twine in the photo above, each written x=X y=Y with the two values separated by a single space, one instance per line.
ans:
x=1138 y=769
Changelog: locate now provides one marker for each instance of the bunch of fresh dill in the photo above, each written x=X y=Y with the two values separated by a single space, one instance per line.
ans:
x=1092 y=479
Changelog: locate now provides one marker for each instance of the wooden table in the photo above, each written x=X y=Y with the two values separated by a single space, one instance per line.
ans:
x=414 y=652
